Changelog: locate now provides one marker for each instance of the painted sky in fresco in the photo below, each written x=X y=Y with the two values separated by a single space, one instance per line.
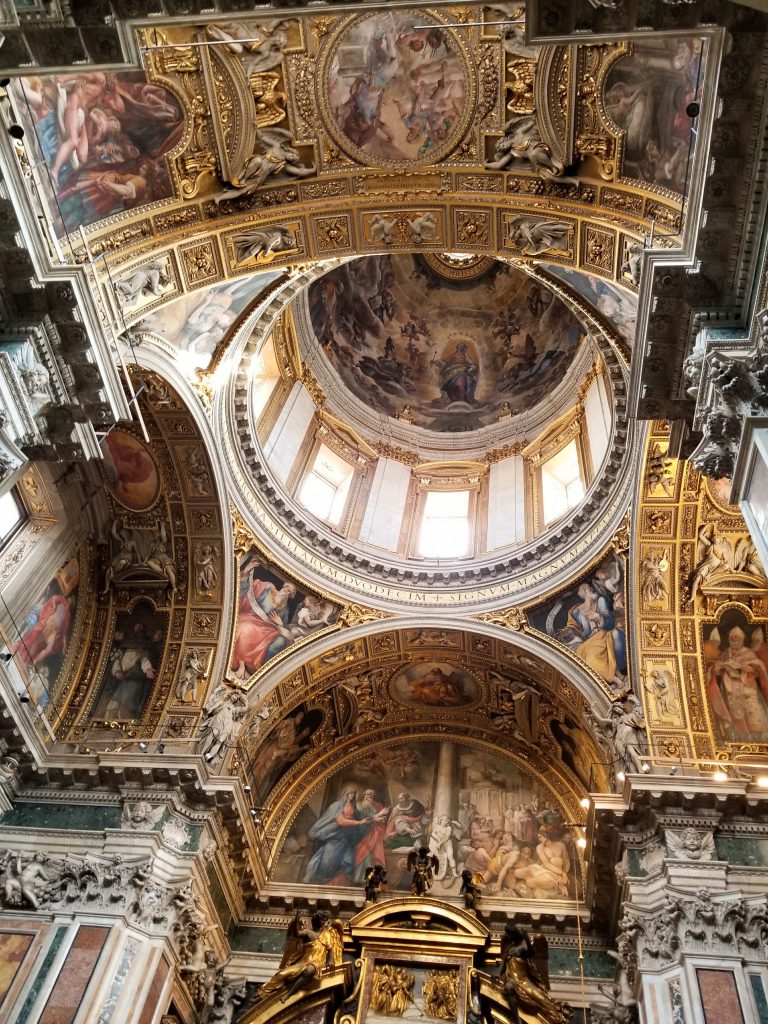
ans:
x=616 y=305
x=198 y=322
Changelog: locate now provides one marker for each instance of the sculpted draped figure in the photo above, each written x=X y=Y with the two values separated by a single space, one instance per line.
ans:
x=524 y=977
x=308 y=952
x=522 y=141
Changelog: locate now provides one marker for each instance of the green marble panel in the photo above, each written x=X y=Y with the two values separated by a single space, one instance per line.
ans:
x=749 y=850
x=42 y=974
x=257 y=940
x=564 y=961
x=218 y=898
x=758 y=990
x=82 y=817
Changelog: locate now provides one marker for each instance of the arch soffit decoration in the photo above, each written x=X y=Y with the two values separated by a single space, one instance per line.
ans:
x=332 y=212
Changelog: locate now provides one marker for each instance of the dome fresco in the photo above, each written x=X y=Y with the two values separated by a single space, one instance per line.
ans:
x=448 y=350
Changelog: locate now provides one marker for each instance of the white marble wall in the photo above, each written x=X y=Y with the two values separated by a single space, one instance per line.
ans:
x=383 y=518
x=288 y=433
x=506 y=503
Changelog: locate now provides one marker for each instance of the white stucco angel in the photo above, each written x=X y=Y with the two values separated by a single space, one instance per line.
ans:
x=226 y=709
x=277 y=156
x=522 y=141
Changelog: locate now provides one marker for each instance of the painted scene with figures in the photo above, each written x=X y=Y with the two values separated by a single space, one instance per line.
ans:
x=471 y=808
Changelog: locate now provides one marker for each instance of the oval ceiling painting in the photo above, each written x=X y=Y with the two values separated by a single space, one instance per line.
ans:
x=397 y=89
x=434 y=685
x=448 y=352
x=130 y=470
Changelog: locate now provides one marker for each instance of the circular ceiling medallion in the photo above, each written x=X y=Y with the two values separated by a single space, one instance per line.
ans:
x=458 y=266
x=395 y=89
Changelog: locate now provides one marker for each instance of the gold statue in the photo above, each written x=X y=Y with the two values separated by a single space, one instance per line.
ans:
x=441 y=992
x=307 y=954
x=392 y=990
x=524 y=977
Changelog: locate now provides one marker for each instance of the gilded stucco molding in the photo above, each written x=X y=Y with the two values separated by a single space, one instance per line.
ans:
x=695 y=580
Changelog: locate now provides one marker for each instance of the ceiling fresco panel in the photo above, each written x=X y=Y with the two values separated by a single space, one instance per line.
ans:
x=103 y=137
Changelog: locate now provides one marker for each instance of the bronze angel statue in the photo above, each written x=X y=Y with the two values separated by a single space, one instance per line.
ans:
x=423 y=864
x=525 y=977
x=472 y=883
x=308 y=952
x=375 y=880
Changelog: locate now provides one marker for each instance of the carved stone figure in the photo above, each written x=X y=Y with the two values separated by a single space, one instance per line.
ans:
x=625 y=728
x=524 y=977
x=262 y=242
x=206 y=564
x=192 y=674
x=692 y=369
x=423 y=864
x=226 y=709
x=533 y=236
x=472 y=883
x=653 y=585
x=622 y=1008
x=260 y=44
x=382 y=230
x=159 y=559
x=661 y=931
x=197 y=476
x=633 y=264
x=308 y=952
x=141 y=816
x=277 y=157
x=145 y=281
x=423 y=228
x=690 y=844
x=660 y=686
x=658 y=473
x=375 y=880
x=24 y=879
x=522 y=141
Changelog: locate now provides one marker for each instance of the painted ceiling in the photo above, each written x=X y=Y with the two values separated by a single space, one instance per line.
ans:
x=434 y=342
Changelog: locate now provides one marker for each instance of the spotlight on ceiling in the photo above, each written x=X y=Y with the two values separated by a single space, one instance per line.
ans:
x=6 y=656
x=143 y=747
x=673 y=770
x=581 y=842
x=24 y=697
x=620 y=776
x=16 y=131
x=246 y=789
x=692 y=110
x=161 y=748
x=585 y=803
x=762 y=781
x=720 y=777
x=208 y=757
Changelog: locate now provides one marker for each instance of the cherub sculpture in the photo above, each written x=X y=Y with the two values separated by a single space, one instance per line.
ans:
x=525 y=977
x=375 y=880
x=423 y=864
x=472 y=883
x=308 y=952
